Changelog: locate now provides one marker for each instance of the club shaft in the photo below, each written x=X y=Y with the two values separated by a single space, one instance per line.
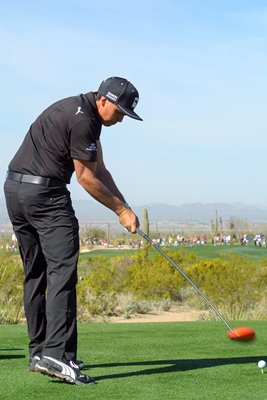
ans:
x=149 y=240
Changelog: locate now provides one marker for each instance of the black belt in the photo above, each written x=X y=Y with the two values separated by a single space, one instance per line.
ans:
x=37 y=180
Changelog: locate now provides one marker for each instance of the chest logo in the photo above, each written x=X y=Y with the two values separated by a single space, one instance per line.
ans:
x=79 y=111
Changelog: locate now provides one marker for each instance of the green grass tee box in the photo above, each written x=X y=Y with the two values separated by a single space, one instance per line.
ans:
x=176 y=360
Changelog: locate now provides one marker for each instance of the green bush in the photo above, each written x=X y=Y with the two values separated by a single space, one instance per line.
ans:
x=235 y=284
x=97 y=293
x=154 y=278
x=232 y=282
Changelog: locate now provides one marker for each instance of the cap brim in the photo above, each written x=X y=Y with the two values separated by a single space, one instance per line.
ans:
x=129 y=113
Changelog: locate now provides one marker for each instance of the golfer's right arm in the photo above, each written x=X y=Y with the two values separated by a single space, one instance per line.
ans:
x=85 y=174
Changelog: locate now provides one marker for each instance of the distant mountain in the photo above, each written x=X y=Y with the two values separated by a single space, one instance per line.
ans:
x=198 y=212
x=90 y=210
x=195 y=212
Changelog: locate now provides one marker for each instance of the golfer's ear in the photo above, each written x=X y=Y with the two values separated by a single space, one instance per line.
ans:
x=103 y=101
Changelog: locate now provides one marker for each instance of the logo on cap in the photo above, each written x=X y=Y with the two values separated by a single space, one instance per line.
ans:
x=135 y=102
x=111 y=96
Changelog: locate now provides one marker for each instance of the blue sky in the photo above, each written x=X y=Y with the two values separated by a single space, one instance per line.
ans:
x=199 y=66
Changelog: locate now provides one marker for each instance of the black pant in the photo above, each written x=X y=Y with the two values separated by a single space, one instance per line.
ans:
x=47 y=231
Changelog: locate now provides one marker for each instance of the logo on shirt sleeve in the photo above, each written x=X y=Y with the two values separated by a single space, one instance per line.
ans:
x=92 y=147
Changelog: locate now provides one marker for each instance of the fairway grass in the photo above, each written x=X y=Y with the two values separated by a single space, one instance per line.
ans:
x=207 y=252
x=175 y=360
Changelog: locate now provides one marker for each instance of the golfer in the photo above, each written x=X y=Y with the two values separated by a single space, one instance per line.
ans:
x=63 y=139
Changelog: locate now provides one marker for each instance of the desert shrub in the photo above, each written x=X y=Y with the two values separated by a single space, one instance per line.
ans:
x=232 y=282
x=163 y=305
x=92 y=306
x=154 y=278
x=137 y=307
x=235 y=284
x=97 y=293
x=133 y=307
x=11 y=289
x=123 y=262
x=144 y=276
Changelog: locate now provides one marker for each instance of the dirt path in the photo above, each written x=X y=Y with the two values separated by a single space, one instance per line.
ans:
x=162 y=316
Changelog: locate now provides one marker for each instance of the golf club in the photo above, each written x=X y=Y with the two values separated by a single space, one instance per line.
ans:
x=242 y=333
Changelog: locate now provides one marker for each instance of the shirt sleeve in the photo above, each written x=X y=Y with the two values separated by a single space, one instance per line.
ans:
x=83 y=141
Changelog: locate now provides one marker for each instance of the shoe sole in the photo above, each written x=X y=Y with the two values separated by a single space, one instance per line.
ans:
x=58 y=375
x=32 y=369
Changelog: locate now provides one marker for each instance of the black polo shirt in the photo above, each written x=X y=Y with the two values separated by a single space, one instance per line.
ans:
x=66 y=130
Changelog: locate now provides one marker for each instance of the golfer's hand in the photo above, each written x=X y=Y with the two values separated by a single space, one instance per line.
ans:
x=129 y=220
